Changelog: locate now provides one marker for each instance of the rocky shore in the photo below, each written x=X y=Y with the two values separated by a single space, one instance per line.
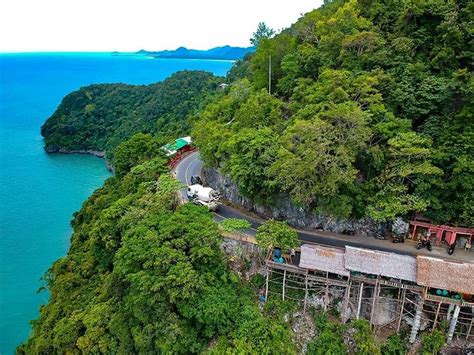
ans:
x=97 y=153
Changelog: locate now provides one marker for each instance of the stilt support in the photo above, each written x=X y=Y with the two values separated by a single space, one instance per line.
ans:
x=453 y=323
x=402 y=308
x=326 y=293
x=416 y=321
x=345 y=304
x=305 y=291
x=436 y=317
x=359 y=301
x=375 y=297
x=470 y=328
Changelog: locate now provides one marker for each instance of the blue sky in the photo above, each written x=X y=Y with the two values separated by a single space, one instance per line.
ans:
x=130 y=25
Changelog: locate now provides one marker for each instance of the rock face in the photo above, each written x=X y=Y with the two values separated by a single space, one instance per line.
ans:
x=97 y=153
x=293 y=214
x=54 y=149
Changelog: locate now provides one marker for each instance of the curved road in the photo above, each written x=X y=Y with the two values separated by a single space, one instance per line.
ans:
x=192 y=165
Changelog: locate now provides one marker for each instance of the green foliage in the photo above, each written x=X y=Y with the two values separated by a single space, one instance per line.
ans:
x=146 y=275
x=364 y=338
x=371 y=113
x=432 y=343
x=136 y=150
x=395 y=345
x=276 y=234
x=314 y=160
x=278 y=309
x=251 y=153
x=235 y=225
x=408 y=167
x=262 y=32
x=100 y=117
x=329 y=337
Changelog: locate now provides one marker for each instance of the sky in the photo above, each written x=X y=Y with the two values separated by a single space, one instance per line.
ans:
x=130 y=25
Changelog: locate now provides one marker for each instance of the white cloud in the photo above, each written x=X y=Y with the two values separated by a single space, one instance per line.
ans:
x=129 y=25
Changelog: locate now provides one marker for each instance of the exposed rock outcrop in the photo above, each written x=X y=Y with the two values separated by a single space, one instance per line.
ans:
x=97 y=153
x=55 y=149
x=293 y=214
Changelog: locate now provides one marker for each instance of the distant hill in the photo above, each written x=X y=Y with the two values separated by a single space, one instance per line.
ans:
x=225 y=52
x=100 y=116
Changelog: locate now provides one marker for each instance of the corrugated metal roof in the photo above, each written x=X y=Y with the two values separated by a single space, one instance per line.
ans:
x=315 y=257
x=177 y=145
x=380 y=263
x=180 y=143
x=443 y=274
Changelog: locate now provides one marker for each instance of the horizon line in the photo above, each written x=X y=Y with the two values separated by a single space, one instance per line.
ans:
x=116 y=51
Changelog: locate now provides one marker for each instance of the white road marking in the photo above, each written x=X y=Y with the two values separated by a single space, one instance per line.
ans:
x=189 y=167
x=186 y=172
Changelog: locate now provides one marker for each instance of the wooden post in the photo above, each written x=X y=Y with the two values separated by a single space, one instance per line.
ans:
x=401 y=309
x=359 y=301
x=305 y=291
x=284 y=281
x=436 y=317
x=326 y=293
x=470 y=328
x=374 y=300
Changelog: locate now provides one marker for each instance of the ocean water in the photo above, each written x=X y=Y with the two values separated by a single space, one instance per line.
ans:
x=39 y=192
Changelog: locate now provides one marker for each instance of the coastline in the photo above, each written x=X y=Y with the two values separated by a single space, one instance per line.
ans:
x=97 y=153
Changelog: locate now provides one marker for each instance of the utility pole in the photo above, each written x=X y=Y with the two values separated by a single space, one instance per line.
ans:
x=270 y=74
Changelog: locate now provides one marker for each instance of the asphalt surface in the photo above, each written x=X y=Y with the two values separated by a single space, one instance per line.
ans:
x=192 y=165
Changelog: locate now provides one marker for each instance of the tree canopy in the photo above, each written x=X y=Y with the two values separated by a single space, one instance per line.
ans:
x=371 y=113
x=147 y=275
x=262 y=32
x=101 y=116
x=276 y=234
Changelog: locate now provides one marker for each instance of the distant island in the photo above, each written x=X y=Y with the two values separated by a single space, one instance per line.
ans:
x=224 y=53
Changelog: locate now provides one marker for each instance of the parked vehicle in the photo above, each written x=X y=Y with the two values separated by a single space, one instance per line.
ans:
x=398 y=239
x=451 y=248
x=424 y=243
x=204 y=196
x=196 y=180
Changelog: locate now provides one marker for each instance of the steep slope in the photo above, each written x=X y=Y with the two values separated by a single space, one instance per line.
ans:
x=371 y=113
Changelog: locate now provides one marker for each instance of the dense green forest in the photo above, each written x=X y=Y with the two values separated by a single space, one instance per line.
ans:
x=144 y=275
x=99 y=117
x=370 y=112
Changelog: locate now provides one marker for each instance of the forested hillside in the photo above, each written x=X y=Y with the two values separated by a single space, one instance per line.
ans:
x=370 y=113
x=99 y=117
x=144 y=275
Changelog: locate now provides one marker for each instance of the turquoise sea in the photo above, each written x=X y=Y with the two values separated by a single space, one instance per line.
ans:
x=39 y=192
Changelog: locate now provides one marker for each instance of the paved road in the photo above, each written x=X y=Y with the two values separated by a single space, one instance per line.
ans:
x=191 y=165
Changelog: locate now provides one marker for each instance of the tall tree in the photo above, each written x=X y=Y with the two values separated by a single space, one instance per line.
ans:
x=262 y=32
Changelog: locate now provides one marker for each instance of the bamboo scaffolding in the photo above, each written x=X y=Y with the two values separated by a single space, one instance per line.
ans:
x=410 y=300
